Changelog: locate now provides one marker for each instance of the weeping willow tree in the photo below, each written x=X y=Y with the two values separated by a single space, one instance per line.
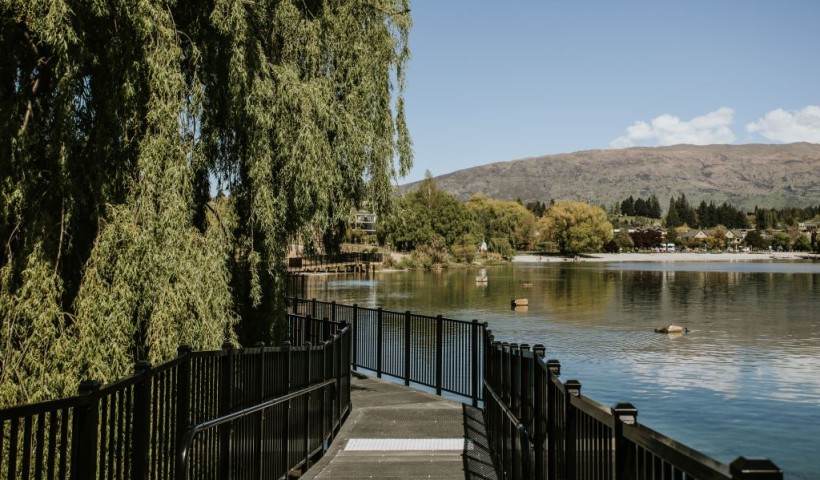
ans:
x=118 y=119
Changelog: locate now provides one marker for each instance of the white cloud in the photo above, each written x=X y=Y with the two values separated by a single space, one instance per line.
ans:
x=714 y=127
x=789 y=126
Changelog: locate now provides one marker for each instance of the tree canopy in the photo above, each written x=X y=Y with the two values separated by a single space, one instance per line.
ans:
x=575 y=227
x=117 y=122
x=506 y=226
x=429 y=217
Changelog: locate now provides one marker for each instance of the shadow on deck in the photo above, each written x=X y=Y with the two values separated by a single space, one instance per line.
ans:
x=397 y=432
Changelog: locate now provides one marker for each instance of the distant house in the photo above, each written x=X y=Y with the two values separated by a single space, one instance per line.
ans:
x=734 y=237
x=365 y=221
x=693 y=235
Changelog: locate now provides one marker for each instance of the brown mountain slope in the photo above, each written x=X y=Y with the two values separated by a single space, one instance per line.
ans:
x=743 y=175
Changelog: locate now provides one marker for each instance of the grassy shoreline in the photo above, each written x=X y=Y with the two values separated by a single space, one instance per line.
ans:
x=666 y=257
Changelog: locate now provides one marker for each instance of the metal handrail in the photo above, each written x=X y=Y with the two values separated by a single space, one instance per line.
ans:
x=519 y=425
x=182 y=459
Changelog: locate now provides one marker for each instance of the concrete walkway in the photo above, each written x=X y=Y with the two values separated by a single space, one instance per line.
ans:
x=395 y=432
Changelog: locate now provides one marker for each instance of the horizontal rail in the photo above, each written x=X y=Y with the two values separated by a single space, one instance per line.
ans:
x=504 y=408
x=182 y=459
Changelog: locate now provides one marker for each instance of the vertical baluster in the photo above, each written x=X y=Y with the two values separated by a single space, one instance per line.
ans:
x=64 y=444
x=379 y=342
x=27 y=441
x=355 y=337
x=86 y=419
x=439 y=353
x=226 y=385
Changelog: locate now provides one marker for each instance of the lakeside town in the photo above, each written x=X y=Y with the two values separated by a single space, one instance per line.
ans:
x=431 y=229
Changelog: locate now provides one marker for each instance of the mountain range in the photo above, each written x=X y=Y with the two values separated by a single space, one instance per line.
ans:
x=770 y=176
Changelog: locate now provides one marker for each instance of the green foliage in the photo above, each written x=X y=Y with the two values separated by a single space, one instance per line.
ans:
x=116 y=117
x=802 y=244
x=576 y=227
x=712 y=215
x=429 y=217
x=36 y=341
x=768 y=218
x=623 y=241
x=754 y=239
x=781 y=241
x=506 y=226
x=680 y=213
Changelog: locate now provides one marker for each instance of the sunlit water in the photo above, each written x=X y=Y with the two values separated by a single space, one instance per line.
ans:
x=744 y=381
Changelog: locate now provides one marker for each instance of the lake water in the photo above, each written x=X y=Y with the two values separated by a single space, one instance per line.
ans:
x=744 y=381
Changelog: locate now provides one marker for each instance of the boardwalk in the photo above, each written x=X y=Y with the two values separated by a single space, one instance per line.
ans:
x=397 y=432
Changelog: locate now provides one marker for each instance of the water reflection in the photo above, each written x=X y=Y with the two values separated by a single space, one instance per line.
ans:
x=747 y=370
x=577 y=292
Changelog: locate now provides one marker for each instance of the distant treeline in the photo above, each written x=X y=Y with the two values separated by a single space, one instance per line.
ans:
x=705 y=215
x=766 y=218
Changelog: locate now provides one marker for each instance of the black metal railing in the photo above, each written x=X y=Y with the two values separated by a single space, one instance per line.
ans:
x=542 y=428
x=435 y=352
x=538 y=426
x=134 y=428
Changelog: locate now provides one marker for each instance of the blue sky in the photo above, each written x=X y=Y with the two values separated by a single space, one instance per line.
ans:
x=493 y=81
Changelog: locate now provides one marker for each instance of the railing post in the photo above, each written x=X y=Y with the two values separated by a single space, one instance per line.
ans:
x=307 y=328
x=474 y=361
x=286 y=348
x=183 y=395
x=354 y=337
x=328 y=353
x=340 y=369
x=744 y=468
x=333 y=311
x=260 y=427
x=226 y=385
x=142 y=421
x=504 y=372
x=538 y=407
x=295 y=305
x=553 y=371
x=86 y=418
x=525 y=408
x=524 y=386
x=306 y=432
x=407 y=336
x=439 y=353
x=313 y=308
x=572 y=388
x=625 y=414
x=379 y=342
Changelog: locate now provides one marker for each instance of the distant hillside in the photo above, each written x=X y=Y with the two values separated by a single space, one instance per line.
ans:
x=772 y=176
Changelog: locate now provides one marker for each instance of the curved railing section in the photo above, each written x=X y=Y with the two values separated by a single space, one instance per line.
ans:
x=290 y=400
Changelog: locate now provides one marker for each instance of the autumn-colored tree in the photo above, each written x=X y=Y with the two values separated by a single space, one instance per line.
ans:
x=576 y=227
x=506 y=226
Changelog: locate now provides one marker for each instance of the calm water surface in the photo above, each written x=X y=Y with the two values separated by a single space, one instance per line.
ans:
x=744 y=381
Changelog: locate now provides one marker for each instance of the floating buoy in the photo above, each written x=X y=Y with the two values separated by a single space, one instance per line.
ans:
x=672 y=329
x=519 y=302
x=526 y=284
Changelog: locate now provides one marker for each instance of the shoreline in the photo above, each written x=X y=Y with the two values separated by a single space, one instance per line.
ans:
x=665 y=257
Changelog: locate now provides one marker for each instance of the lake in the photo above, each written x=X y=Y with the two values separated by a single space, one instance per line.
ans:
x=744 y=381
